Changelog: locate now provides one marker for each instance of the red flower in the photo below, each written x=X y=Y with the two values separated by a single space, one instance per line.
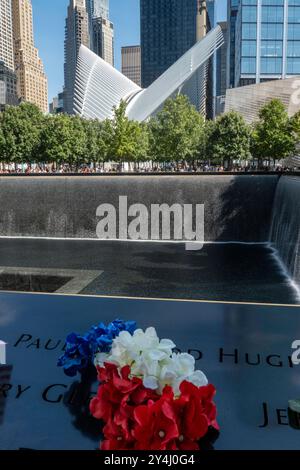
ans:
x=116 y=400
x=137 y=418
x=175 y=424
x=156 y=423
x=197 y=410
x=115 y=438
x=210 y=409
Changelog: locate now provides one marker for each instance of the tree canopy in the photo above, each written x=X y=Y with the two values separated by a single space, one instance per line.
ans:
x=177 y=133
x=230 y=138
x=20 y=136
x=128 y=140
x=272 y=136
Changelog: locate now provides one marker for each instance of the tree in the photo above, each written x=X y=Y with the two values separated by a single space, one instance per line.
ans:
x=272 y=136
x=2 y=139
x=205 y=151
x=64 y=140
x=78 y=153
x=140 y=136
x=56 y=139
x=176 y=131
x=230 y=138
x=295 y=128
x=21 y=131
x=129 y=139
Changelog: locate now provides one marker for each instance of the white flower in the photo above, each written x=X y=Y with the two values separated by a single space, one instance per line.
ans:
x=100 y=359
x=128 y=349
x=179 y=368
x=152 y=360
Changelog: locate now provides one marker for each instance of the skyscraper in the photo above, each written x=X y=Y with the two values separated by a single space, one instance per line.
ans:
x=98 y=8
x=232 y=11
x=6 y=34
x=32 y=82
x=102 y=39
x=131 y=63
x=211 y=13
x=222 y=63
x=8 y=79
x=267 y=42
x=221 y=70
x=101 y=29
x=76 y=33
x=168 y=29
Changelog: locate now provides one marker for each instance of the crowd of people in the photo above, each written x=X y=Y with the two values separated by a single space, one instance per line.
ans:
x=130 y=168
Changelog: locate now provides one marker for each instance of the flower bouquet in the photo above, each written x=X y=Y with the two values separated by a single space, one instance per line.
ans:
x=149 y=397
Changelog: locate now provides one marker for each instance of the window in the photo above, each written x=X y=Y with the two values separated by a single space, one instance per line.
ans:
x=249 y=14
x=249 y=31
x=271 y=14
x=273 y=2
x=249 y=48
x=294 y=32
x=293 y=49
x=248 y=65
x=293 y=66
x=248 y=2
x=270 y=66
x=272 y=31
x=294 y=15
x=271 y=49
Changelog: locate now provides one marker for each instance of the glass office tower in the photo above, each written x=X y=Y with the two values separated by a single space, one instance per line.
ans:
x=101 y=29
x=232 y=11
x=168 y=30
x=211 y=13
x=98 y=8
x=267 y=40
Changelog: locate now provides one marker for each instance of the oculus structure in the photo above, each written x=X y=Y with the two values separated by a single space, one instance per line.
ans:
x=99 y=87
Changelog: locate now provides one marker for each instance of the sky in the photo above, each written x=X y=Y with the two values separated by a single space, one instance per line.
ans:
x=49 y=23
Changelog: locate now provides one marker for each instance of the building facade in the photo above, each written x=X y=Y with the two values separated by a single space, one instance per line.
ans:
x=57 y=105
x=32 y=84
x=248 y=100
x=211 y=14
x=267 y=40
x=6 y=34
x=98 y=8
x=101 y=29
x=168 y=29
x=76 y=33
x=8 y=87
x=221 y=70
x=232 y=11
x=131 y=63
x=102 y=39
x=8 y=79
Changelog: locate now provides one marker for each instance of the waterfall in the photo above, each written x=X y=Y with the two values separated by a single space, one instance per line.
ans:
x=238 y=208
x=285 y=227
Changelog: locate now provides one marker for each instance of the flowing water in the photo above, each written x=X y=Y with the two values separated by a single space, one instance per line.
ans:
x=285 y=227
x=258 y=211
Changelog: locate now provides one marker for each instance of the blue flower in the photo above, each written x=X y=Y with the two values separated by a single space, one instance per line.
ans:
x=80 y=350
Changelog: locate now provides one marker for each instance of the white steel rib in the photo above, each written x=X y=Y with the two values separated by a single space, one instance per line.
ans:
x=99 y=86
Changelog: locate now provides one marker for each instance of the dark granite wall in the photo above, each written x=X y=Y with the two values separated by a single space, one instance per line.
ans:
x=237 y=207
